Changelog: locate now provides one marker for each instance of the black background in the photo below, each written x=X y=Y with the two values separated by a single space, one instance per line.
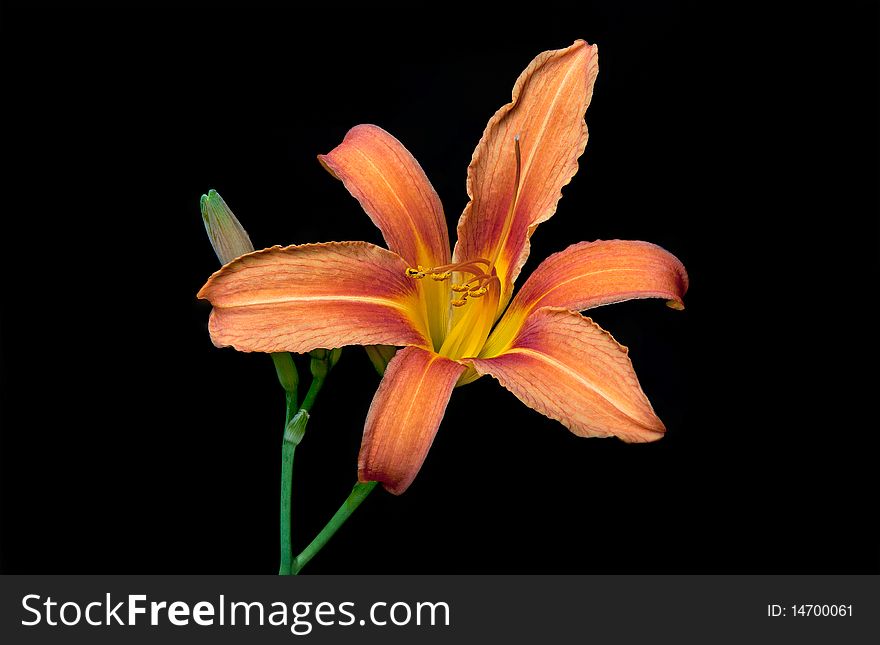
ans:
x=745 y=143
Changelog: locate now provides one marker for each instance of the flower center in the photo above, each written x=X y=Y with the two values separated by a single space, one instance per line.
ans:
x=469 y=328
x=476 y=287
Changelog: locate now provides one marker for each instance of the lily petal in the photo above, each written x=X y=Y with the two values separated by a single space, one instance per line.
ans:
x=590 y=274
x=568 y=368
x=404 y=417
x=394 y=191
x=300 y=298
x=547 y=114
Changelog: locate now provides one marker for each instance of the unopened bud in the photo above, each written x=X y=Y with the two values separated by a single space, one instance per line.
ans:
x=320 y=362
x=226 y=233
x=380 y=355
x=295 y=430
x=286 y=370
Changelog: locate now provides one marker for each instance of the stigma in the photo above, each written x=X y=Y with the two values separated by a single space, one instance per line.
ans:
x=476 y=287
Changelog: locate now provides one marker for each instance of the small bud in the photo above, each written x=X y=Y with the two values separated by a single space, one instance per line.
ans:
x=320 y=362
x=226 y=233
x=380 y=355
x=295 y=430
x=286 y=370
x=335 y=355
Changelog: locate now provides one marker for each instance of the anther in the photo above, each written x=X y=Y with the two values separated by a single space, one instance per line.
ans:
x=439 y=277
x=479 y=292
x=414 y=273
x=459 y=288
x=458 y=302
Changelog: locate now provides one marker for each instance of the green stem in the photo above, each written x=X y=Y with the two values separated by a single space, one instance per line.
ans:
x=358 y=494
x=293 y=434
x=289 y=380
x=311 y=395
x=322 y=361
x=287 y=450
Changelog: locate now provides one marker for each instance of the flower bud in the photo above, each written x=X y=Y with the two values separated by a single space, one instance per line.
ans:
x=286 y=370
x=226 y=233
x=380 y=355
x=296 y=428
x=320 y=364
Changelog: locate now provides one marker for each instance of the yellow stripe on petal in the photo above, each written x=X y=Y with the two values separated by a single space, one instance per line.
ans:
x=404 y=417
x=300 y=298
x=537 y=137
x=566 y=367
x=590 y=274
x=394 y=191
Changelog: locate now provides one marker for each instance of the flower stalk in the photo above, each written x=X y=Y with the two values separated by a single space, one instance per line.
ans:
x=358 y=494
x=294 y=431
x=229 y=241
x=322 y=361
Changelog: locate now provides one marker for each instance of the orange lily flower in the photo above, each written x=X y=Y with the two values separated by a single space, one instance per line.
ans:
x=450 y=312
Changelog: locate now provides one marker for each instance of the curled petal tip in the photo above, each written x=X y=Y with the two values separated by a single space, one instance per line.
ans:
x=322 y=159
x=568 y=368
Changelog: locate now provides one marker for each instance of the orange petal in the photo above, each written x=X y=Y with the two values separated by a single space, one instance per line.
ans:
x=299 y=298
x=404 y=417
x=568 y=368
x=590 y=274
x=394 y=191
x=547 y=112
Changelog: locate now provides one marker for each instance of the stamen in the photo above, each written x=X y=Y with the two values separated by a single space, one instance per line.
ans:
x=418 y=273
x=476 y=287
x=458 y=302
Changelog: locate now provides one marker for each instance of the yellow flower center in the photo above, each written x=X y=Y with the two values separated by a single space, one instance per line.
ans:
x=467 y=332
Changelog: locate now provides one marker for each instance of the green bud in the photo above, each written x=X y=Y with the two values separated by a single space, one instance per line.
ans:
x=335 y=355
x=286 y=370
x=226 y=233
x=295 y=430
x=320 y=364
x=379 y=356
